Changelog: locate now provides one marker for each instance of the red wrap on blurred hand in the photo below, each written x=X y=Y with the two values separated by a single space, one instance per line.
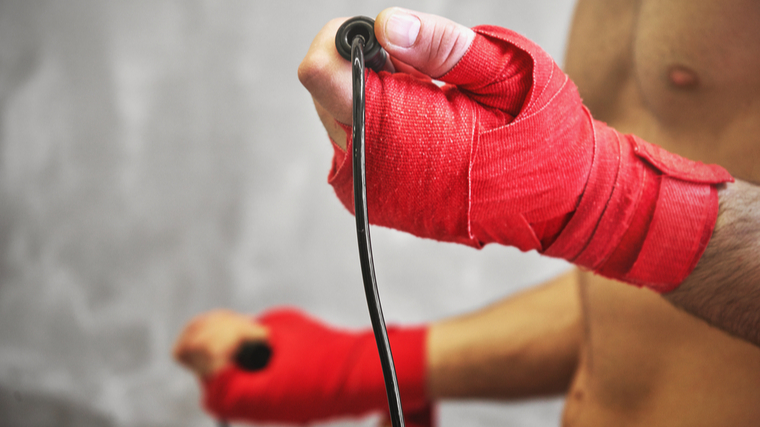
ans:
x=317 y=372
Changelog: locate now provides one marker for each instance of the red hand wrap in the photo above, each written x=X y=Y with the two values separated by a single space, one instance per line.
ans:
x=317 y=373
x=507 y=153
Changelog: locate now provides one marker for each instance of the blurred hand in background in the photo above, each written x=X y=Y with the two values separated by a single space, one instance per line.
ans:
x=209 y=341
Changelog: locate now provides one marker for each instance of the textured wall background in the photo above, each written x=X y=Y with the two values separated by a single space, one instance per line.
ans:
x=159 y=159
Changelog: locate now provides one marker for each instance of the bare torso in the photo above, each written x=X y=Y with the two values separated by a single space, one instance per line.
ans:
x=685 y=75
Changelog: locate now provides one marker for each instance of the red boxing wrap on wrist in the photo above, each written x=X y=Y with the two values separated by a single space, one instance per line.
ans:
x=506 y=152
x=318 y=372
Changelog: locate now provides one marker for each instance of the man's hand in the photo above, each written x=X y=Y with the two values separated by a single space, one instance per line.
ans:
x=422 y=45
x=505 y=152
x=209 y=342
x=315 y=371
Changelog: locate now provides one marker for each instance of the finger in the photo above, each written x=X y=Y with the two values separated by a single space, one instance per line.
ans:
x=400 y=67
x=178 y=352
x=193 y=359
x=202 y=365
x=326 y=75
x=429 y=43
x=183 y=340
x=199 y=358
x=336 y=133
x=384 y=422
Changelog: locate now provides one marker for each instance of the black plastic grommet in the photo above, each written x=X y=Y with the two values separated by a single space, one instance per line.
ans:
x=364 y=27
x=253 y=356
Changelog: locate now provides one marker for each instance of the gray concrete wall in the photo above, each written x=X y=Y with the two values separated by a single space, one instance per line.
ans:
x=159 y=158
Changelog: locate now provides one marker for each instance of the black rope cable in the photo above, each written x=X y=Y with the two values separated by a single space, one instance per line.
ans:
x=363 y=235
x=355 y=41
x=355 y=37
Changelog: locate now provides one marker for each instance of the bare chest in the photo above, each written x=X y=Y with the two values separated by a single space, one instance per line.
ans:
x=646 y=363
x=683 y=74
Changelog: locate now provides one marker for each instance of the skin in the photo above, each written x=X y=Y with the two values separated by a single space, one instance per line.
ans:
x=677 y=73
x=209 y=340
x=644 y=362
x=726 y=295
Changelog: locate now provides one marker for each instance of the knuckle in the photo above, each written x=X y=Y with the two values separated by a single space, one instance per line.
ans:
x=319 y=59
x=312 y=68
x=334 y=24
x=448 y=42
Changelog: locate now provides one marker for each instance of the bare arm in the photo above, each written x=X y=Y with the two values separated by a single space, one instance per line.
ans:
x=527 y=345
x=724 y=288
x=524 y=346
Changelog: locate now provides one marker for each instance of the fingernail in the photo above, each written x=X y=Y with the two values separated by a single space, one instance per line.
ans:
x=402 y=29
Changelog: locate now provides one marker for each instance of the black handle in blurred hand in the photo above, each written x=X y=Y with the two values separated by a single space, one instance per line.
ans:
x=253 y=356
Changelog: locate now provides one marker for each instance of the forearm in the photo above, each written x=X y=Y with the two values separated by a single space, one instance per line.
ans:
x=524 y=346
x=724 y=288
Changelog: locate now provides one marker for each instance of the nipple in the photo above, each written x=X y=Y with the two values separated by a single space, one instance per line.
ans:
x=682 y=77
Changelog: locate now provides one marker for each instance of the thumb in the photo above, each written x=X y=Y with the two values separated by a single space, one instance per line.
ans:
x=431 y=44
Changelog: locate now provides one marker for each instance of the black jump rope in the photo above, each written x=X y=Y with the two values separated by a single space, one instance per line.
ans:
x=355 y=42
